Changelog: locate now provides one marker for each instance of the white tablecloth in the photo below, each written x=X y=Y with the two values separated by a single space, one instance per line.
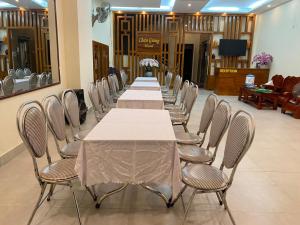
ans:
x=131 y=146
x=146 y=79
x=141 y=99
x=145 y=85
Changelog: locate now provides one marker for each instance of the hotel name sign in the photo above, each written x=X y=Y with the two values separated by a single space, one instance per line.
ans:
x=228 y=71
x=149 y=42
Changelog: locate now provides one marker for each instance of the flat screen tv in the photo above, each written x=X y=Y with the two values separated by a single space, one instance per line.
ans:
x=229 y=47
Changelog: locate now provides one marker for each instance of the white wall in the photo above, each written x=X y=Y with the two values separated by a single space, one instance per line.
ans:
x=278 y=32
x=103 y=32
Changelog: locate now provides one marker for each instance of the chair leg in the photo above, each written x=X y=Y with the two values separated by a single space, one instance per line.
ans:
x=219 y=198
x=189 y=206
x=92 y=192
x=185 y=128
x=76 y=204
x=52 y=187
x=37 y=205
x=227 y=208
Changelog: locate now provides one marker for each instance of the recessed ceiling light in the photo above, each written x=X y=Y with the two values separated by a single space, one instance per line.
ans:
x=189 y=5
x=224 y=9
x=269 y=6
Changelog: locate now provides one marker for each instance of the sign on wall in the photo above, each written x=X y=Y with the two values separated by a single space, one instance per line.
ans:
x=149 y=42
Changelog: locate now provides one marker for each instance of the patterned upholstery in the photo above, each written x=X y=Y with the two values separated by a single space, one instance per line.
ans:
x=71 y=149
x=56 y=117
x=204 y=177
x=106 y=90
x=219 y=123
x=82 y=134
x=168 y=82
x=194 y=154
x=237 y=138
x=59 y=171
x=188 y=138
x=35 y=130
x=27 y=72
x=180 y=118
x=33 y=80
x=207 y=112
x=20 y=74
x=8 y=85
x=49 y=78
x=172 y=107
x=71 y=106
x=94 y=97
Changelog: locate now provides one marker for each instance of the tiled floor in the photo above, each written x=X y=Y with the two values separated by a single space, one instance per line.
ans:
x=266 y=189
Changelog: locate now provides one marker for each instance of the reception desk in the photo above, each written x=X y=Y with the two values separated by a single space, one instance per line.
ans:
x=229 y=80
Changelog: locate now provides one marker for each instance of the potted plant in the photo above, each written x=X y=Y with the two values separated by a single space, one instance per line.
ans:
x=263 y=60
x=149 y=64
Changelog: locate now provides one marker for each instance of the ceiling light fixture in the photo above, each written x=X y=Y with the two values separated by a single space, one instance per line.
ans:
x=223 y=9
x=259 y=3
x=189 y=5
x=269 y=6
x=6 y=5
x=42 y=3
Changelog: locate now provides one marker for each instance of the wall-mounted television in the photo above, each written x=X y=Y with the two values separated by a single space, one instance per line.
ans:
x=230 y=47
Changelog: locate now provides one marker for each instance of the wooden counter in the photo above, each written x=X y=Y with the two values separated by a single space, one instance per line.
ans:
x=229 y=80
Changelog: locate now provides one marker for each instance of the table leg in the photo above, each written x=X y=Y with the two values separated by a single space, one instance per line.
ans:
x=100 y=200
x=168 y=202
x=259 y=103
x=275 y=103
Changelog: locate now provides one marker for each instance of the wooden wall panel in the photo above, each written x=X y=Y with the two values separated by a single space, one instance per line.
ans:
x=173 y=28
x=100 y=60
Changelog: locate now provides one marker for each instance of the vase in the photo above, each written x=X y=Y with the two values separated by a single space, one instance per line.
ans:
x=263 y=66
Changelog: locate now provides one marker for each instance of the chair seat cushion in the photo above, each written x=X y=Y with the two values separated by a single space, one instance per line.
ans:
x=178 y=118
x=204 y=177
x=71 y=149
x=170 y=100
x=172 y=107
x=194 y=154
x=188 y=138
x=59 y=171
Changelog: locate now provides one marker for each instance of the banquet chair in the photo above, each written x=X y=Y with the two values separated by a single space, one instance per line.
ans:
x=43 y=79
x=94 y=97
x=113 y=89
x=117 y=86
x=180 y=106
x=27 y=72
x=183 y=118
x=168 y=79
x=172 y=98
x=49 y=78
x=108 y=96
x=124 y=78
x=219 y=124
x=205 y=178
x=1 y=92
x=102 y=99
x=20 y=74
x=33 y=81
x=71 y=109
x=32 y=127
x=56 y=121
x=8 y=85
x=206 y=117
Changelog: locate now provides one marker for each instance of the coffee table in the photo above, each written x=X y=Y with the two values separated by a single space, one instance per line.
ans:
x=258 y=98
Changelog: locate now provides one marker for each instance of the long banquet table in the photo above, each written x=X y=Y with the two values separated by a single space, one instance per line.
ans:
x=146 y=79
x=141 y=99
x=145 y=85
x=131 y=146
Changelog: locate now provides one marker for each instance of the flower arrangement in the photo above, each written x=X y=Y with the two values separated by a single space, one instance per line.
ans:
x=149 y=62
x=263 y=59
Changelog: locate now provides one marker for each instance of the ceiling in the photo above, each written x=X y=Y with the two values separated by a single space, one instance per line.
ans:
x=192 y=6
x=27 y=4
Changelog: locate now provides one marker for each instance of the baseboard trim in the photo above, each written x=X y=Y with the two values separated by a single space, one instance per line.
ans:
x=6 y=157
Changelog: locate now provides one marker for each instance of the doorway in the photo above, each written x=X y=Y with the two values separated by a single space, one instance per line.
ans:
x=196 y=57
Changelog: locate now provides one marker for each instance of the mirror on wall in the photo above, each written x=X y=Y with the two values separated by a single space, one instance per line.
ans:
x=28 y=46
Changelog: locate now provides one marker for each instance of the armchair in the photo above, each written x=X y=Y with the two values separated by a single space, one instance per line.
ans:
x=277 y=83
x=293 y=105
x=287 y=89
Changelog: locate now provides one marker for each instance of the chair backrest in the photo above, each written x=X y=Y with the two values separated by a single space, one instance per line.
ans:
x=101 y=93
x=169 y=79
x=32 y=127
x=33 y=81
x=278 y=81
x=123 y=77
x=43 y=79
x=20 y=73
x=177 y=85
x=207 y=113
x=49 y=78
x=94 y=97
x=1 y=87
x=71 y=107
x=111 y=84
x=12 y=72
x=8 y=85
x=184 y=89
x=27 y=72
x=116 y=82
x=219 y=123
x=192 y=96
x=55 y=117
x=106 y=90
x=239 y=139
